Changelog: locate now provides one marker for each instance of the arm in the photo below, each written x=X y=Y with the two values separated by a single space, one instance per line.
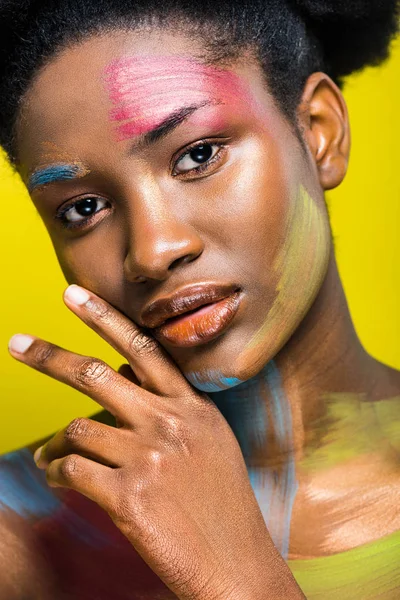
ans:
x=23 y=573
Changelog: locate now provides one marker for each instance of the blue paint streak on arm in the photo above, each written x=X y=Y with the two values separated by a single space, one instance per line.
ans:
x=53 y=173
x=22 y=490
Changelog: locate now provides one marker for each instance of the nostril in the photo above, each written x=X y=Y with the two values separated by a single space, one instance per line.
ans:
x=182 y=259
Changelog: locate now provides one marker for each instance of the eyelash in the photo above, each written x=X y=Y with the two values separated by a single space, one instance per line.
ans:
x=59 y=216
x=203 y=167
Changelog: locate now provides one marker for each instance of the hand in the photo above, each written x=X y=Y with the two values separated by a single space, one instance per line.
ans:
x=171 y=475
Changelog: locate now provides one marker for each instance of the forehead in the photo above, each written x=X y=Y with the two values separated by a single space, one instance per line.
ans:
x=118 y=85
x=146 y=89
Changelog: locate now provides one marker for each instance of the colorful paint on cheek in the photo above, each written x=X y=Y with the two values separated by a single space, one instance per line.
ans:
x=146 y=90
x=299 y=268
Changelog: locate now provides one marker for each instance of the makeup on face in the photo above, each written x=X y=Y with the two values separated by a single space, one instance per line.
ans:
x=152 y=96
x=212 y=380
x=140 y=99
x=201 y=325
x=146 y=91
x=55 y=173
x=299 y=265
x=301 y=261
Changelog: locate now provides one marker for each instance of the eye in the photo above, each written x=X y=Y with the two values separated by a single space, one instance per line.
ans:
x=198 y=158
x=80 y=212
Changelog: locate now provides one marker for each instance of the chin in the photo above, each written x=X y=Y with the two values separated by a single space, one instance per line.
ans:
x=216 y=371
x=212 y=381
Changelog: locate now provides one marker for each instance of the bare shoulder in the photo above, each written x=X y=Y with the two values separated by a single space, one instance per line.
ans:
x=23 y=572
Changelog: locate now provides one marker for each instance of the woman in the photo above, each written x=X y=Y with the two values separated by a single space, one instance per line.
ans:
x=178 y=156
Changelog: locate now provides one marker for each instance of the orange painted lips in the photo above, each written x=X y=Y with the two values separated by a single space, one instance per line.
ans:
x=201 y=325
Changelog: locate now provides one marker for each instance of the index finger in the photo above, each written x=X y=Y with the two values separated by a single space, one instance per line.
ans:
x=154 y=368
x=87 y=374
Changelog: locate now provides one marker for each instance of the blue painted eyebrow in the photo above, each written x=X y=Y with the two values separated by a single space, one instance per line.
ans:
x=60 y=172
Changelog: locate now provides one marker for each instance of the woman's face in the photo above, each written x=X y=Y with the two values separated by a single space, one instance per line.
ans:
x=154 y=215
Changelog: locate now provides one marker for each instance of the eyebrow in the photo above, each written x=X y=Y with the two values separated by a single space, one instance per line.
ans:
x=166 y=126
x=57 y=172
x=63 y=172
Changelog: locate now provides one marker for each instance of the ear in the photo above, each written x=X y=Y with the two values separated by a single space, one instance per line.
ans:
x=323 y=119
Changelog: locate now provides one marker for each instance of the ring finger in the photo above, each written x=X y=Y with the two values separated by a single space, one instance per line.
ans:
x=94 y=440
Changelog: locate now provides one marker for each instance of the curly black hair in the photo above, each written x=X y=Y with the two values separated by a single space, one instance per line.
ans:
x=291 y=38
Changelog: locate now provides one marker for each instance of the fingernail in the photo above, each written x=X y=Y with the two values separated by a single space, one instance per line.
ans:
x=76 y=295
x=20 y=343
x=36 y=456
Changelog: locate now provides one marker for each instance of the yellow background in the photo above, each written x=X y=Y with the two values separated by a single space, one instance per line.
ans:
x=365 y=213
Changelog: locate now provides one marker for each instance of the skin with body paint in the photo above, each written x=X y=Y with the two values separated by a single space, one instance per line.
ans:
x=289 y=375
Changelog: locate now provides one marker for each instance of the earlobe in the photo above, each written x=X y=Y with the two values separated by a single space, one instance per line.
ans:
x=323 y=118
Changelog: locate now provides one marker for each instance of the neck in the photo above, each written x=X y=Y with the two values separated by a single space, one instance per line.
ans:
x=288 y=408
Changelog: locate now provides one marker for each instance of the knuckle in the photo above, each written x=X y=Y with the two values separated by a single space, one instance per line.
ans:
x=43 y=354
x=92 y=372
x=150 y=468
x=141 y=344
x=100 y=310
x=154 y=458
x=69 y=468
x=174 y=426
x=174 y=431
x=77 y=429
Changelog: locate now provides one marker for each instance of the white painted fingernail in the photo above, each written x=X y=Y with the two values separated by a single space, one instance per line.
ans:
x=20 y=343
x=76 y=295
x=36 y=456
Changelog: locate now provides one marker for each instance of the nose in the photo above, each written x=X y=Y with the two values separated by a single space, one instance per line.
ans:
x=159 y=242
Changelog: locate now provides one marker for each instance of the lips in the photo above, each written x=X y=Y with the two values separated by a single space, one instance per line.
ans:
x=184 y=300
x=199 y=327
x=194 y=315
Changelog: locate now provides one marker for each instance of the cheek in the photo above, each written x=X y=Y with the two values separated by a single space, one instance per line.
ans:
x=249 y=203
x=298 y=268
x=87 y=264
x=294 y=276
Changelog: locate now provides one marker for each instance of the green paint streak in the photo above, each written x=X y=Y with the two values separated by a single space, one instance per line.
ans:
x=299 y=266
x=351 y=426
x=368 y=572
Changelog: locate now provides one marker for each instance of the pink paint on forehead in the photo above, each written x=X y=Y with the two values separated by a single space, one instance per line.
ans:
x=145 y=90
